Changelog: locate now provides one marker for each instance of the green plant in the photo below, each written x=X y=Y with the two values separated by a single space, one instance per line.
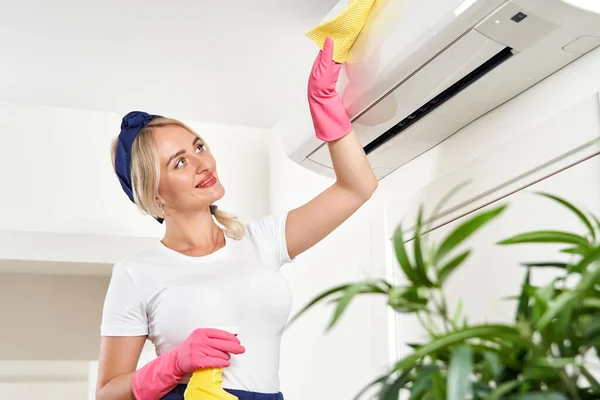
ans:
x=543 y=354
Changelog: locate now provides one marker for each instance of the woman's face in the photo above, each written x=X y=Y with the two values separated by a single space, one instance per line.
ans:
x=188 y=177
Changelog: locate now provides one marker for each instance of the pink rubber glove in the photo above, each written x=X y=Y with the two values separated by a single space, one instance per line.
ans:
x=328 y=113
x=204 y=348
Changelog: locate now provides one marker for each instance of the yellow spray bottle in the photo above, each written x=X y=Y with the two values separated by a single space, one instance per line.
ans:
x=206 y=384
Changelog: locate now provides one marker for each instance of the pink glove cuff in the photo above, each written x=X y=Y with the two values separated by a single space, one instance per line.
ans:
x=327 y=110
x=156 y=378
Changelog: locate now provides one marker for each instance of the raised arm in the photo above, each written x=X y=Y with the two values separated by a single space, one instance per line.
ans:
x=355 y=181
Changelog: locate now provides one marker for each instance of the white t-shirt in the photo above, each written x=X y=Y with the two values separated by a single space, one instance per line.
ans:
x=166 y=295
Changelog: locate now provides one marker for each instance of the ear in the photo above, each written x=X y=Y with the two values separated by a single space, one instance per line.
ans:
x=161 y=204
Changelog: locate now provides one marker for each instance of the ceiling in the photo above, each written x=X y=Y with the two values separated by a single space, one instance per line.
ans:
x=224 y=61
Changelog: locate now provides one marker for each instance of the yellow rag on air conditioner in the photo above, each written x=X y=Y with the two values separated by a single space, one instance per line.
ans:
x=343 y=29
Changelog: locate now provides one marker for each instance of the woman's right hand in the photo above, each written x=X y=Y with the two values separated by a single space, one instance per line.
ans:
x=206 y=348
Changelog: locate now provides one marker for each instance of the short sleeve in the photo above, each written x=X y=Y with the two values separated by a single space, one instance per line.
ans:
x=124 y=312
x=269 y=234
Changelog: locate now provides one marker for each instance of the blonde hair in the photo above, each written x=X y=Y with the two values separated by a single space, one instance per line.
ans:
x=145 y=175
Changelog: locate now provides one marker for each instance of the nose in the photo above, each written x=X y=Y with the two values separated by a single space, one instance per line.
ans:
x=199 y=164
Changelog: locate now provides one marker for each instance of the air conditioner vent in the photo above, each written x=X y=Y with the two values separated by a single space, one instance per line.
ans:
x=440 y=99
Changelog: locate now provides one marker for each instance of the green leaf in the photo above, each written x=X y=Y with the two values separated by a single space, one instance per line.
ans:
x=594 y=385
x=578 y=251
x=591 y=329
x=547 y=264
x=316 y=300
x=391 y=391
x=506 y=332
x=523 y=307
x=493 y=362
x=591 y=302
x=574 y=209
x=564 y=300
x=546 y=237
x=481 y=390
x=504 y=389
x=597 y=221
x=349 y=294
x=463 y=231
x=420 y=266
x=402 y=258
x=422 y=381
x=380 y=380
x=540 y=396
x=457 y=312
x=554 y=362
x=440 y=205
x=563 y=323
x=545 y=293
x=459 y=374
x=561 y=302
x=406 y=299
x=447 y=269
x=538 y=373
x=439 y=386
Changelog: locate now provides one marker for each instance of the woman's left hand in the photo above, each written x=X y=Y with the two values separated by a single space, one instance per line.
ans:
x=328 y=113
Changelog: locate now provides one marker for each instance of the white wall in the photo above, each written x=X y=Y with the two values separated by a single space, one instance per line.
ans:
x=65 y=221
x=57 y=177
x=347 y=252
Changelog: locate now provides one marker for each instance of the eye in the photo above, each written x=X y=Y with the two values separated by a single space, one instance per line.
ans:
x=199 y=147
x=180 y=163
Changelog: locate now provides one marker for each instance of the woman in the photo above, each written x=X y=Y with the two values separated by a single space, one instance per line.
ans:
x=203 y=275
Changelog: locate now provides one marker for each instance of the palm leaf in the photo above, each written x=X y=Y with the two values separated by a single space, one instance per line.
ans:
x=546 y=237
x=391 y=391
x=377 y=286
x=546 y=264
x=317 y=299
x=444 y=200
x=420 y=266
x=523 y=307
x=406 y=299
x=349 y=294
x=446 y=270
x=563 y=300
x=380 y=380
x=504 y=389
x=540 y=396
x=402 y=258
x=578 y=251
x=457 y=312
x=463 y=231
x=481 y=331
x=459 y=374
x=422 y=381
x=594 y=385
x=582 y=217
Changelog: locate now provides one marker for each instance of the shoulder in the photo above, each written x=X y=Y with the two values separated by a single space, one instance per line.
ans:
x=268 y=236
x=267 y=227
x=135 y=264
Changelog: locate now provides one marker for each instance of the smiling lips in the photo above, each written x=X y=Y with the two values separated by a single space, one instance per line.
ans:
x=208 y=181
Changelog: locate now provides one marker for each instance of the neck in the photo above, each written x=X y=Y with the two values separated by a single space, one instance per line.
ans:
x=192 y=234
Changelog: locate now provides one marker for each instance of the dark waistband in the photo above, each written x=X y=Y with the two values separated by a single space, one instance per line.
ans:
x=177 y=394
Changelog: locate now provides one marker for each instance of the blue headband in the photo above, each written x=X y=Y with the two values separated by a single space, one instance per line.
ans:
x=131 y=126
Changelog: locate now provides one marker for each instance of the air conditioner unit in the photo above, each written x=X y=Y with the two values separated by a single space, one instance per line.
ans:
x=421 y=71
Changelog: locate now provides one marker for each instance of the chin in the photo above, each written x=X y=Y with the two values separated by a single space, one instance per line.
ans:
x=217 y=193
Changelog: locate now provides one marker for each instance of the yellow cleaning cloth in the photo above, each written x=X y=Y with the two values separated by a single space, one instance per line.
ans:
x=343 y=29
